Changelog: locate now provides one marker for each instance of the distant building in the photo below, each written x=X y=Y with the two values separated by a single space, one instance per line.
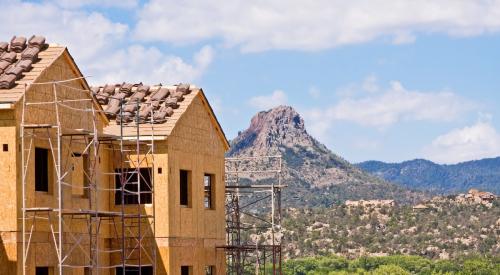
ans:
x=483 y=196
x=370 y=203
x=420 y=207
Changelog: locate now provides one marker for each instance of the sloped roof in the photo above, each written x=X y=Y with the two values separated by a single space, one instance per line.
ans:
x=166 y=103
x=46 y=55
x=155 y=108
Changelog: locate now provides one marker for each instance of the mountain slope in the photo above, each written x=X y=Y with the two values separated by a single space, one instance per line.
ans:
x=444 y=179
x=315 y=175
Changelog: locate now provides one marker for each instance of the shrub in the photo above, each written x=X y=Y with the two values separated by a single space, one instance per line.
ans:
x=390 y=269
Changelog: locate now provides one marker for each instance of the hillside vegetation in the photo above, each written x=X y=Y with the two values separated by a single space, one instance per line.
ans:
x=393 y=265
x=445 y=230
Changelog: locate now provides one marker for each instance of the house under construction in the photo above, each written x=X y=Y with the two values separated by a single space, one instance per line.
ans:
x=121 y=178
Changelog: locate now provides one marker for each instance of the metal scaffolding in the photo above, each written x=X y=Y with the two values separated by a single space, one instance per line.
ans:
x=253 y=215
x=85 y=231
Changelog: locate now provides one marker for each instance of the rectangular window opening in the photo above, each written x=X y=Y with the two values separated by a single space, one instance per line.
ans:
x=5 y=147
x=185 y=188
x=134 y=270
x=210 y=270
x=41 y=169
x=42 y=270
x=208 y=185
x=186 y=270
x=132 y=194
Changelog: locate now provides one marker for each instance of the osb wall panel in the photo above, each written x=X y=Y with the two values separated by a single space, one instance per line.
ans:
x=42 y=250
x=195 y=257
x=43 y=254
x=8 y=171
x=195 y=145
x=70 y=119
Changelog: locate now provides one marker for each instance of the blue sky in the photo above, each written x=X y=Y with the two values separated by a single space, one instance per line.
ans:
x=386 y=80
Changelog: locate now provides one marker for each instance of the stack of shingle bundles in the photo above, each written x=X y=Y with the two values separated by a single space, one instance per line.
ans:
x=4 y=46
x=138 y=97
x=126 y=88
x=183 y=88
x=160 y=115
x=180 y=91
x=15 y=70
x=25 y=64
x=152 y=104
x=171 y=102
x=36 y=42
x=114 y=108
x=9 y=57
x=4 y=65
x=31 y=53
x=114 y=104
x=160 y=94
x=106 y=92
x=17 y=44
x=7 y=81
x=35 y=45
x=145 y=111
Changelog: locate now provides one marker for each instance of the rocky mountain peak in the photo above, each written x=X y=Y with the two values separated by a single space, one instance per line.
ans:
x=279 y=118
x=281 y=126
x=309 y=166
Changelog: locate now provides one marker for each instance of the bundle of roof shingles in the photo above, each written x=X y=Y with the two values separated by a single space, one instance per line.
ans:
x=17 y=58
x=140 y=103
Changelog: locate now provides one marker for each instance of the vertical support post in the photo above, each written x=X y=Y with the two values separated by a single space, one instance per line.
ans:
x=23 y=184
x=59 y=185
x=92 y=186
x=122 y=188
x=138 y=174
x=273 y=193
x=153 y=167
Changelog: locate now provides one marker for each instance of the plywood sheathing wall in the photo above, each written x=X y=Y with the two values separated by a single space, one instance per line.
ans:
x=61 y=68
x=8 y=215
x=195 y=142
x=193 y=233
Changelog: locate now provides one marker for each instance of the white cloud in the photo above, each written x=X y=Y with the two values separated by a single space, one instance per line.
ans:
x=312 y=25
x=100 y=46
x=477 y=141
x=86 y=34
x=277 y=98
x=404 y=38
x=102 y=3
x=383 y=107
x=149 y=65
x=395 y=104
x=368 y=85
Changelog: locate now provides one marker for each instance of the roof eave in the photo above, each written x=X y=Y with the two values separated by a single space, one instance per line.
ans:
x=85 y=84
x=214 y=118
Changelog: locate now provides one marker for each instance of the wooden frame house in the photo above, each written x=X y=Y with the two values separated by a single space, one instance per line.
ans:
x=106 y=180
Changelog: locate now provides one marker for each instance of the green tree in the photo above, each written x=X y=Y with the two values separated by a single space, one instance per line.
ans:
x=478 y=267
x=390 y=270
